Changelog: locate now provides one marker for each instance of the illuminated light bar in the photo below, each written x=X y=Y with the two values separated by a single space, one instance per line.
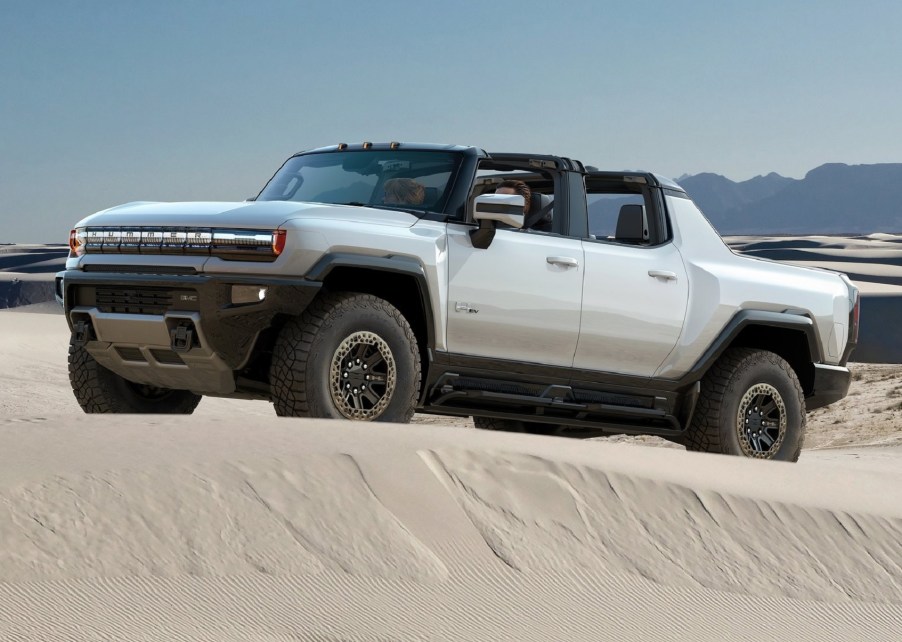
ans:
x=110 y=238
x=229 y=244
x=151 y=240
x=93 y=240
x=242 y=237
x=241 y=242
x=198 y=241
x=130 y=240
x=174 y=241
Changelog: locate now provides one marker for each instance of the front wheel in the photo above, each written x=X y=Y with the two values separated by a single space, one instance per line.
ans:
x=99 y=390
x=349 y=356
x=752 y=405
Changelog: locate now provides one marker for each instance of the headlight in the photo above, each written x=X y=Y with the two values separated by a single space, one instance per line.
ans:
x=76 y=242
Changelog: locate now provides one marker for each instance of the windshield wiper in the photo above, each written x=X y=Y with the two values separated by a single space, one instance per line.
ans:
x=354 y=203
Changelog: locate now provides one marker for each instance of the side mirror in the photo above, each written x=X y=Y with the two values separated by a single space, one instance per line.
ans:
x=502 y=208
x=491 y=209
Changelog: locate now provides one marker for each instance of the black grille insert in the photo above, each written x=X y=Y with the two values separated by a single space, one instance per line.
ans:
x=133 y=300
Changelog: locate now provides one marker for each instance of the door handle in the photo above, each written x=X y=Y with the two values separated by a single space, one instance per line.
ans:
x=563 y=261
x=663 y=274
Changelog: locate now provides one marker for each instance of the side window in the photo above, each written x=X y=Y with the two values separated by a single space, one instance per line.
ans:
x=620 y=213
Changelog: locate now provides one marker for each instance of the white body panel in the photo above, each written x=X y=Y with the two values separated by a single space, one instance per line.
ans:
x=509 y=301
x=721 y=283
x=631 y=319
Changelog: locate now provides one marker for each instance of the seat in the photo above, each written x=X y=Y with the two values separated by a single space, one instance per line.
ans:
x=631 y=225
x=431 y=195
x=541 y=207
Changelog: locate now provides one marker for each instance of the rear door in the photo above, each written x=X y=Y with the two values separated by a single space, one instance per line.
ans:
x=635 y=289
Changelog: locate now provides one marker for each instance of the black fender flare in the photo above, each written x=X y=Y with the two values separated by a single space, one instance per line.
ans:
x=747 y=318
x=391 y=263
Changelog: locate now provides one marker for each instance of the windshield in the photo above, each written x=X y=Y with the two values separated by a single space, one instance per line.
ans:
x=395 y=179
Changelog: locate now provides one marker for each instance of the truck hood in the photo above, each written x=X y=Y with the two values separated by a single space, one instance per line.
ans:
x=250 y=214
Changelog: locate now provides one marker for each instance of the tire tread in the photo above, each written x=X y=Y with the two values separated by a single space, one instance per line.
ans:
x=705 y=433
x=290 y=389
x=96 y=389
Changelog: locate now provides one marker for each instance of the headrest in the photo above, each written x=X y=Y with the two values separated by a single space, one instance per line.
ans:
x=430 y=196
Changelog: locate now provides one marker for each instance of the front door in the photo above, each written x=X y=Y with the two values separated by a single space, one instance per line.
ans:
x=517 y=300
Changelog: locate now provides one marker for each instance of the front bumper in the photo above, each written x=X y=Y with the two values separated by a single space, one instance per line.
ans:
x=831 y=383
x=175 y=331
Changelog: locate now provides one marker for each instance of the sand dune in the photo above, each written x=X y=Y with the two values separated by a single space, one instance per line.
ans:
x=235 y=525
x=190 y=528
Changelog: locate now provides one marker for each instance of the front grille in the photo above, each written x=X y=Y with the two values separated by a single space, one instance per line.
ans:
x=133 y=300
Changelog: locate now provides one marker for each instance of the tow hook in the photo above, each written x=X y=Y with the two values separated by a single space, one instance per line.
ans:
x=82 y=332
x=182 y=337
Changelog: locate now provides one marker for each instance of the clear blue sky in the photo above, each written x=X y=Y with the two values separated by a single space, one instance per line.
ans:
x=104 y=102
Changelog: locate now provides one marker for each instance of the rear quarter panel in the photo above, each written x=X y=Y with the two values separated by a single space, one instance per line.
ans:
x=722 y=283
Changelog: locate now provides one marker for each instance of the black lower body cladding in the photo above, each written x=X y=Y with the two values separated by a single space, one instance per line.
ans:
x=230 y=327
x=831 y=383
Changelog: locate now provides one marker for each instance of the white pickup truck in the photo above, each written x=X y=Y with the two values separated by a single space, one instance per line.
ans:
x=531 y=292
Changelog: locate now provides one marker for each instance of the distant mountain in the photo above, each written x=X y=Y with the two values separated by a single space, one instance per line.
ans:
x=831 y=199
x=718 y=194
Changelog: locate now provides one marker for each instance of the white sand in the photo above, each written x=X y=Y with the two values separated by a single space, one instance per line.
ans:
x=234 y=525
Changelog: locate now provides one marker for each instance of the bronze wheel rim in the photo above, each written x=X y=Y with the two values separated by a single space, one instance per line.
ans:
x=362 y=376
x=761 y=421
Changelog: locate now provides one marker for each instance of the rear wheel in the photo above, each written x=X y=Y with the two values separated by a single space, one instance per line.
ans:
x=349 y=356
x=751 y=404
x=99 y=390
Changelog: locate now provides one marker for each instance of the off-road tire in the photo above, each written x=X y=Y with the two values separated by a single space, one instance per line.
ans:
x=736 y=382
x=307 y=375
x=99 y=390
